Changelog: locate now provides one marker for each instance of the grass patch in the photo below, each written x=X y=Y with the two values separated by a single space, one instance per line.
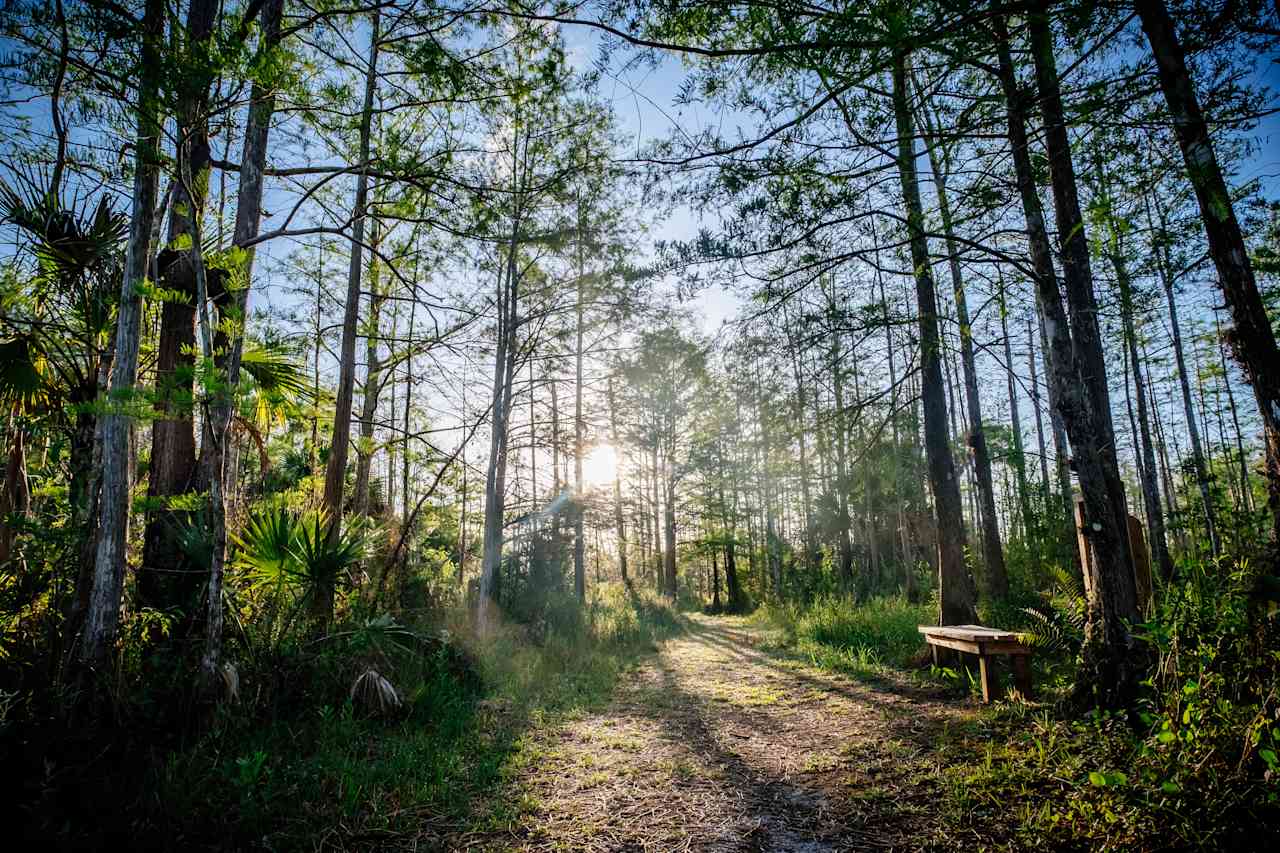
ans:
x=332 y=773
x=859 y=640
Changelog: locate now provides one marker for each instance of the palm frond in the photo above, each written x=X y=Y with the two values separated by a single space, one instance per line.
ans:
x=22 y=380
x=275 y=371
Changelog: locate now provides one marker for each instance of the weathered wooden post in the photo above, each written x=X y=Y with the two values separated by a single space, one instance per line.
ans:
x=1140 y=557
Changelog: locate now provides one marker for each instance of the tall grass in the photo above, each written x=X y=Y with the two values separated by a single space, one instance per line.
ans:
x=327 y=770
x=837 y=634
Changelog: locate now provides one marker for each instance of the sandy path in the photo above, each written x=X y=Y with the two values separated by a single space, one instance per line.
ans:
x=718 y=743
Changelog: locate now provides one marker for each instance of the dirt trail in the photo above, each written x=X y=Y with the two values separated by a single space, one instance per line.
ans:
x=719 y=743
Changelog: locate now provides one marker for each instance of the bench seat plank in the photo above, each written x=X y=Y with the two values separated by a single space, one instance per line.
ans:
x=983 y=642
x=971 y=633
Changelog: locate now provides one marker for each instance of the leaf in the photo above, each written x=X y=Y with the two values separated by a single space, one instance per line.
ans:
x=1097 y=779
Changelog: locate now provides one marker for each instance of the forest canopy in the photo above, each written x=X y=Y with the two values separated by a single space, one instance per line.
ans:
x=351 y=353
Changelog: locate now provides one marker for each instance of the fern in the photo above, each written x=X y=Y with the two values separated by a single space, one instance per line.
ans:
x=1057 y=624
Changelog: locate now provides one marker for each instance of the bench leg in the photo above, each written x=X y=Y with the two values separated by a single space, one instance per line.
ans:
x=985 y=671
x=1022 y=675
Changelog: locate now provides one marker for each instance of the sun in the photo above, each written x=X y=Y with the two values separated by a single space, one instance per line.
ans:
x=600 y=467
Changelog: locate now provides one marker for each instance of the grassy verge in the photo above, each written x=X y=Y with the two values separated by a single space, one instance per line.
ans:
x=329 y=776
x=862 y=641
x=1191 y=766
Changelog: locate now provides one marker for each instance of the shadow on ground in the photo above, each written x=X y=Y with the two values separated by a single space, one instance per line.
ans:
x=719 y=743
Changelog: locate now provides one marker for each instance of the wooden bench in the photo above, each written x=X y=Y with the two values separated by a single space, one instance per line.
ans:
x=984 y=642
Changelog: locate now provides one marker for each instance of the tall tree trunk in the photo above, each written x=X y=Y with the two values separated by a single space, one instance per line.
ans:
x=1041 y=447
x=729 y=526
x=1243 y=460
x=656 y=507
x=335 y=476
x=618 y=519
x=102 y=617
x=810 y=543
x=496 y=472
x=773 y=555
x=843 y=522
x=992 y=551
x=1150 y=485
x=669 y=518
x=954 y=583
x=1114 y=661
x=1252 y=338
x=579 y=428
x=168 y=577
x=1015 y=420
x=248 y=219
x=1165 y=271
x=372 y=383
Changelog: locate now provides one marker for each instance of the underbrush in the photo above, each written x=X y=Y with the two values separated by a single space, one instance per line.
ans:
x=376 y=734
x=1193 y=765
x=859 y=640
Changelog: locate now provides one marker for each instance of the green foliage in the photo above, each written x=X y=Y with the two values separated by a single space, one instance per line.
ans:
x=1057 y=624
x=1194 y=765
x=282 y=771
x=287 y=558
x=837 y=634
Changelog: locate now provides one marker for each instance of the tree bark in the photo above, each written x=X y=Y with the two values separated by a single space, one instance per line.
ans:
x=372 y=384
x=618 y=518
x=335 y=478
x=248 y=219
x=168 y=578
x=1150 y=486
x=1114 y=661
x=1165 y=271
x=1015 y=421
x=992 y=550
x=1252 y=339
x=579 y=428
x=954 y=583
x=103 y=615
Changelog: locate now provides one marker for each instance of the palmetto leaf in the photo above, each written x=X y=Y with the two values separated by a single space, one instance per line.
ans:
x=280 y=384
x=264 y=548
x=323 y=554
x=67 y=245
x=274 y=370
x=280 y=549
x=1058 y=623
x=22 y=381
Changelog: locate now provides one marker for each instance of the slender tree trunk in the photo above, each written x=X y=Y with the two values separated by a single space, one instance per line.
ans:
x=102 y=618
x=1015 y=420
x=618 y=519
x=168 y=578
x=810 y=543
x=248 y=219
x=954 y=583
x=1165 y=272
x=1245 y=492
x=1150 y=486
x=335 y=478
x=1036 y=407
x=669 y=545
x=372 y=383
x=843 y=543
x=579 y=430
x=992 y=551
x=1252 y=338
